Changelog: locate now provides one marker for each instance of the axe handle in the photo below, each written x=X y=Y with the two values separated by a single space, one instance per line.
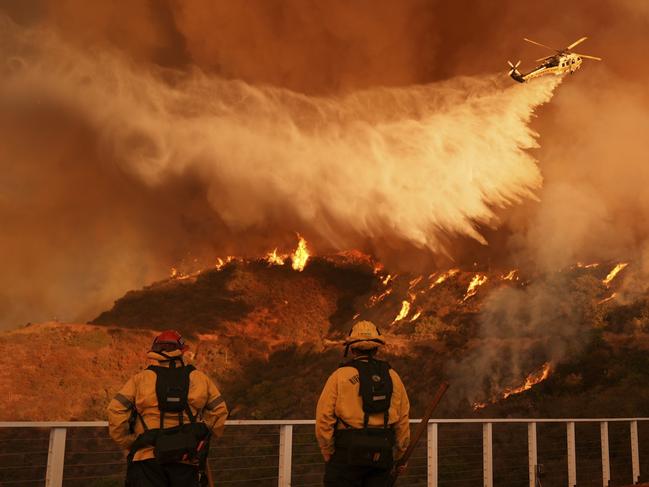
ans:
x=208 y=470
x=419 y=432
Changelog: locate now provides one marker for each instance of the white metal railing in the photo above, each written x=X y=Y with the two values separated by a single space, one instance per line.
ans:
x=58 y=432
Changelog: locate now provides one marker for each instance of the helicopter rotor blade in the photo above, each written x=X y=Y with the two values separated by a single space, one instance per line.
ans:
x=539 y=44
x=543 y=58
x=513 y=66
x=576 y=43
x=586 y=56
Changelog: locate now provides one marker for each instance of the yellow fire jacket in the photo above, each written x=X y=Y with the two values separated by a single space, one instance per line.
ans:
x=340 y=399
x=204 y=399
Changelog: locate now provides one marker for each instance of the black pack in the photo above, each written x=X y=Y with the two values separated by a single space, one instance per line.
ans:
x=185 y=442
x=371 y=446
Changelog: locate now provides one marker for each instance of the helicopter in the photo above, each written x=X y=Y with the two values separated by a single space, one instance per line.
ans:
x=564 y=61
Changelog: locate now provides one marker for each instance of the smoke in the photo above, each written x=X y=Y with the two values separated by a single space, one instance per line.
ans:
x=521 y=329
x=140 y=134
x=391 y=164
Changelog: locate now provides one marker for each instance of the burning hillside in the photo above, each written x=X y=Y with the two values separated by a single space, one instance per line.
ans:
x=256 y=320
x=484 y=322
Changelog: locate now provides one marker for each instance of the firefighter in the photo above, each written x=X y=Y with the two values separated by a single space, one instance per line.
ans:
x=164 y=417
x=362 y=416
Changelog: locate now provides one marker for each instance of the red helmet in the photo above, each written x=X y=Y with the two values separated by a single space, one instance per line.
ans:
x=168 y=341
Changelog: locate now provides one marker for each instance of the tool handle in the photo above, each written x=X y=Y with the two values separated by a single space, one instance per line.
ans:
x=419 y=432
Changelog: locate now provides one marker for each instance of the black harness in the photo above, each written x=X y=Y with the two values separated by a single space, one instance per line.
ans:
x=185 y=442
x=375 y=387
x=370 y=446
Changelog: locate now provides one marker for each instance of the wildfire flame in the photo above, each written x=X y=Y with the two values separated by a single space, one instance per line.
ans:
x=414 y=282
x=510 y=276
x=387 y=279
x=300 y=256
x=378 y=298
x=221 y=262
x=415 y=316
x=606 y=300
x=174 y=273
x=531 y=380
x=405 y=309
x=477 y=281
x=616 y=270
x=581 y=265
x=443 y=277
x=273 y=258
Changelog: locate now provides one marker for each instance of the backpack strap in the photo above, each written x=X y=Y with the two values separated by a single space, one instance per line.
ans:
x=192 y=418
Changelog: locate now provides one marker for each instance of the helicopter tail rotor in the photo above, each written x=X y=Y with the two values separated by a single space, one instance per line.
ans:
x=514 y=67
x=514 y=73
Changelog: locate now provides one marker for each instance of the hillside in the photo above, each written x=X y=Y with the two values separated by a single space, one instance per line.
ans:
x=270 y=335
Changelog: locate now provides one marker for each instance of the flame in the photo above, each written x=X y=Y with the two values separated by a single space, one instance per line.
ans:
x=605 y=300
x=443 y=277
x=220 y=262
x=414 y=282
x=581 y=265
x=300 y=256
x=378 y=298
x=416 y=315
x=405 y=309
x=387 y=279
x=531 y=380
x=616 y=270
x=510 y=276
x=273 y=258
x=477 y=281
x=174 y=273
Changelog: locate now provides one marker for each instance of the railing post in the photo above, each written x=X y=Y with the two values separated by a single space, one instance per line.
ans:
x=432 y=454
x=635 y=453
x=572 y=458
x=55 y=458
x=487 y=455
x=532 y=453
x=606 y=462
x=285 y=455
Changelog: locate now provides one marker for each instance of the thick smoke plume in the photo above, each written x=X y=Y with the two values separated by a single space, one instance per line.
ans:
x=388 y=164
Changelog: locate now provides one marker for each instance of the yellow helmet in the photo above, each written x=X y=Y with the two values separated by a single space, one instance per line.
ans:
x=364 y=335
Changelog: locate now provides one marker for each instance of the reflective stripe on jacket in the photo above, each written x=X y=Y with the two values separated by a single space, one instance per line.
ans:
x=340 y=399
x=204 y=399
